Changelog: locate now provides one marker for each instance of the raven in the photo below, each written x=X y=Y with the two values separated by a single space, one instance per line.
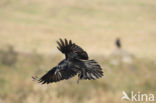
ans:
x=75 y=62
x=118 y=43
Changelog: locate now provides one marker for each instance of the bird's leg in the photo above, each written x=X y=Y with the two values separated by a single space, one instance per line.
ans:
x=83 y=73
x=78 y=78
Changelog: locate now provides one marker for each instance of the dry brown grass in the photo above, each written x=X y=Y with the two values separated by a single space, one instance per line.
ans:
x=35 y=25
x=18 y=87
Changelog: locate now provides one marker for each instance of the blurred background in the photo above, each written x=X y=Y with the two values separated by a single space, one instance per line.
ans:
x=28 y=33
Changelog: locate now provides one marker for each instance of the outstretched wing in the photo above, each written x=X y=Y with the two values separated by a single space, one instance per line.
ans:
x=71 y=50
x=54 y=76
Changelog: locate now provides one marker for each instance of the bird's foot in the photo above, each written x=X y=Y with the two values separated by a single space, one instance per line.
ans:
x=78 y=80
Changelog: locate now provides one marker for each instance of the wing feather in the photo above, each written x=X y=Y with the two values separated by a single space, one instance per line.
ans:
x=50 y=76
x=71 y=50
x=91 y=70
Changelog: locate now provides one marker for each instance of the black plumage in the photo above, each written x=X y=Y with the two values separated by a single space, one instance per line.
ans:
x=75 y=62
x=118 y=43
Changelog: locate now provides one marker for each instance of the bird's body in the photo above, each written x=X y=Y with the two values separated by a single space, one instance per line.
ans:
x=118 y=43
x=75 y=62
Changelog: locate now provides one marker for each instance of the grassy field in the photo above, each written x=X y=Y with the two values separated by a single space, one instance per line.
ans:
x=37 y=24
x=33 y=26
x=18 y=86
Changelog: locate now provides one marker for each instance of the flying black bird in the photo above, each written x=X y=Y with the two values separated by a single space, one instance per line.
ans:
x=75 y=62
x=118 y=43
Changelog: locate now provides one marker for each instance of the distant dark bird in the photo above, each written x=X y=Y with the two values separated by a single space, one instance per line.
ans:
x=118 y=43
x=75 y=62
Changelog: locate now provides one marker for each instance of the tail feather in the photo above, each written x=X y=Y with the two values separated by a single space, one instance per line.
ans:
x=92 y=70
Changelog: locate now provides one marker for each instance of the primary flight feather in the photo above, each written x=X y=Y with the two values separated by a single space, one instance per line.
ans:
x=75 y=62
